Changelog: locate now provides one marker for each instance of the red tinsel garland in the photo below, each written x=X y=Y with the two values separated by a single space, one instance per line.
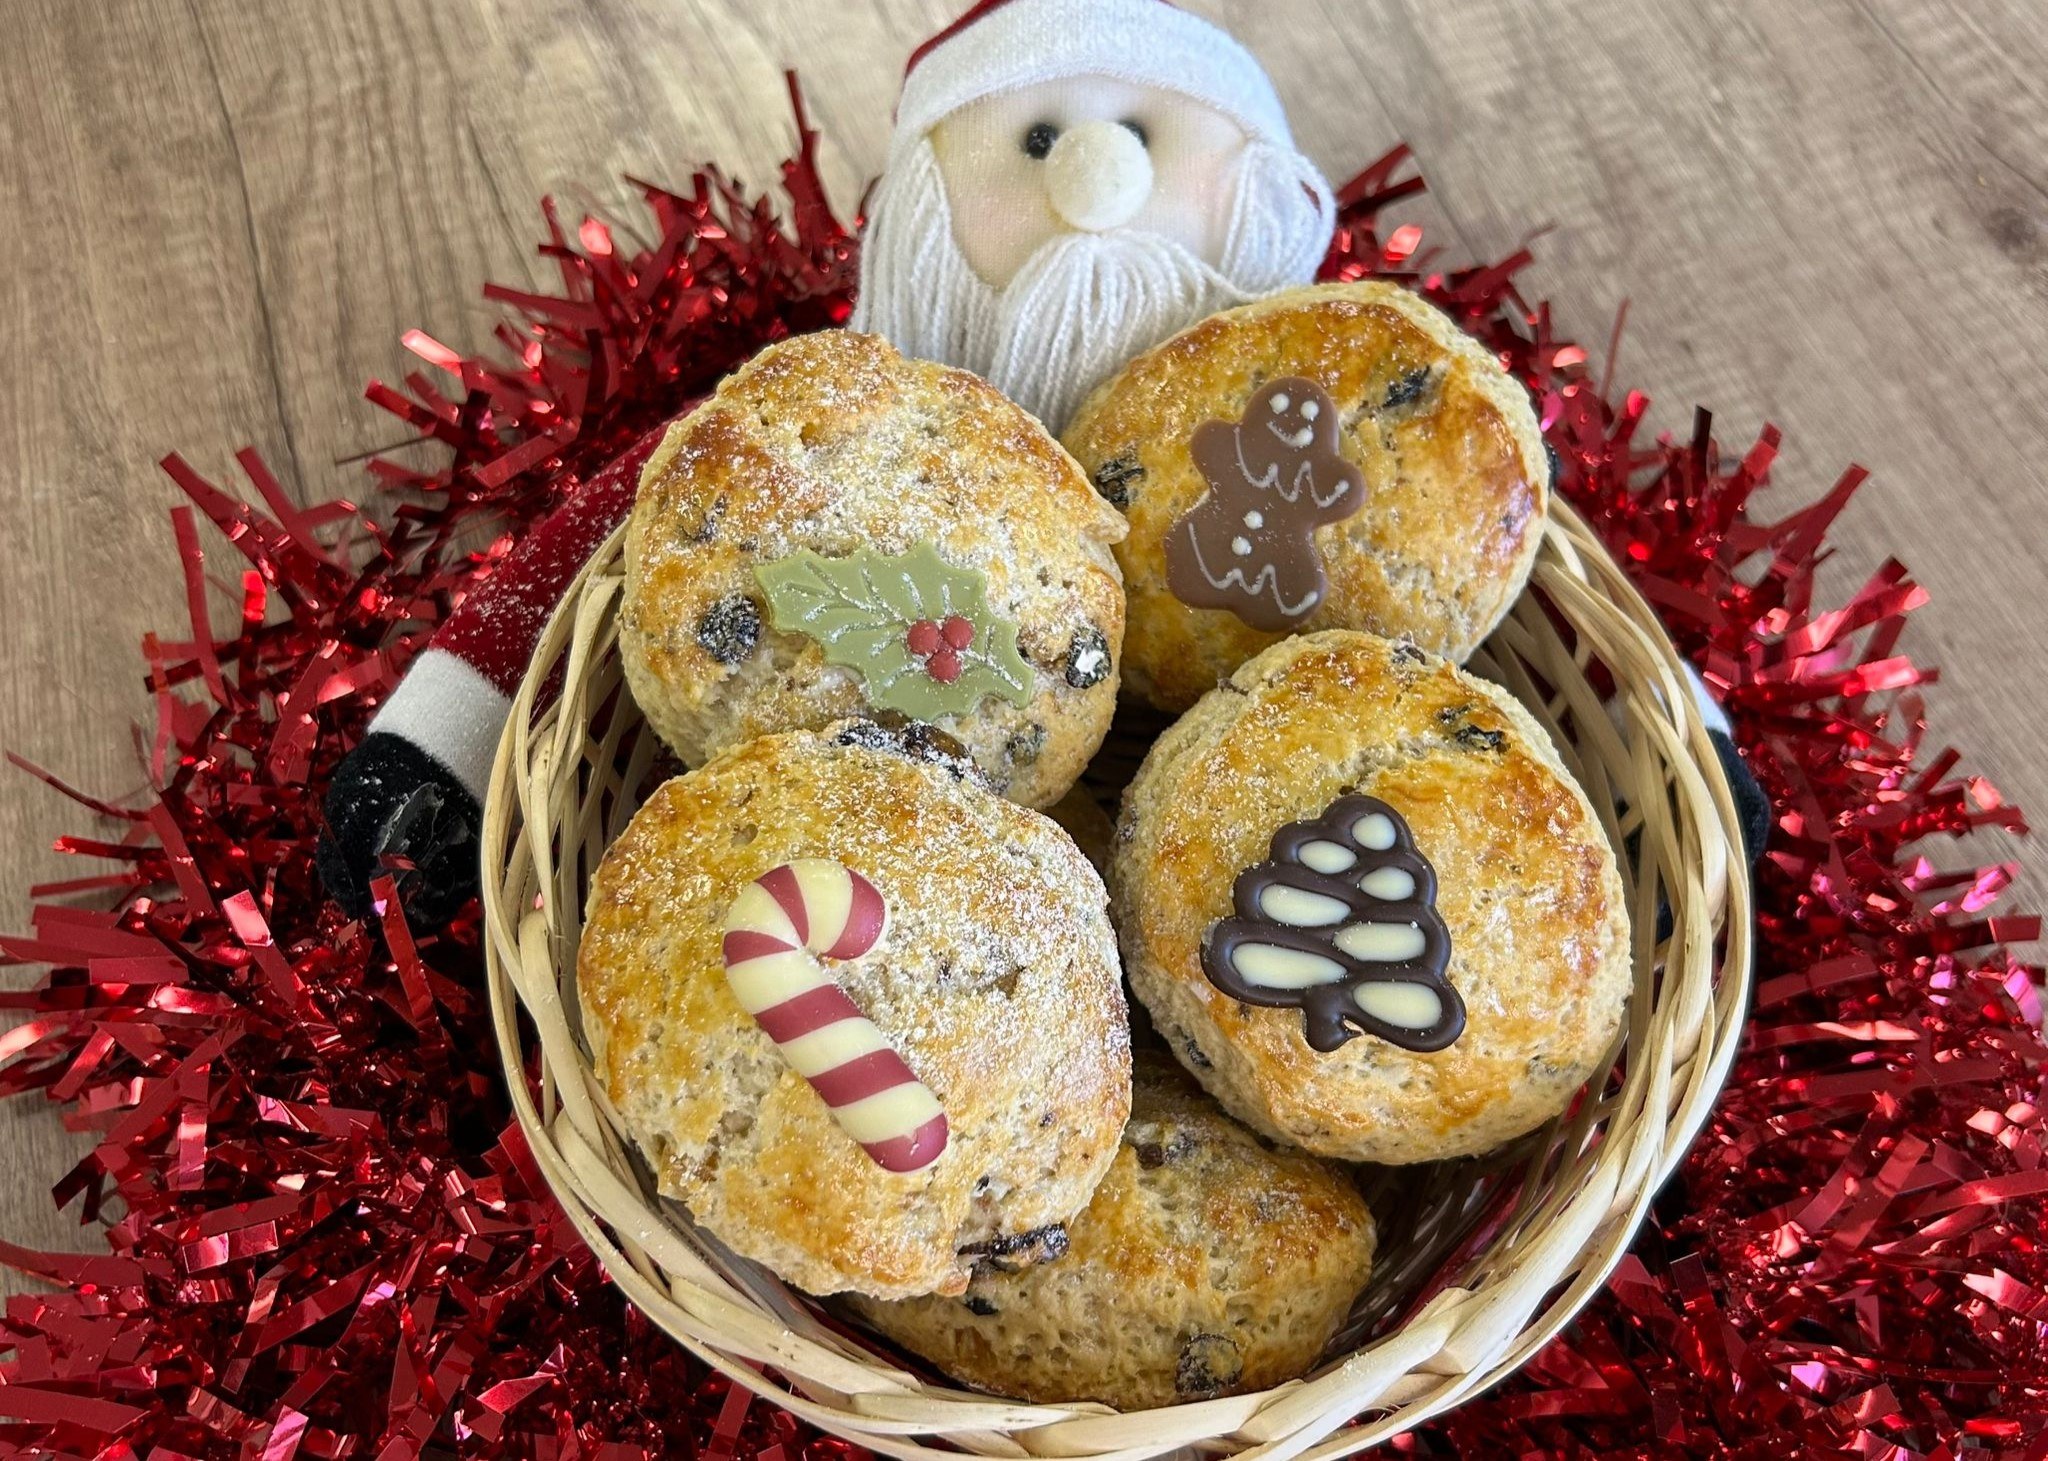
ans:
x=325 y=1242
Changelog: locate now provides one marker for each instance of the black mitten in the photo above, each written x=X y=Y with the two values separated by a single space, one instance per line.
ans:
x=393 y=809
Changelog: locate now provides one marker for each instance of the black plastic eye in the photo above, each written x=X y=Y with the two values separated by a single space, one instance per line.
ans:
x=1137 y=129
x=1039 y=140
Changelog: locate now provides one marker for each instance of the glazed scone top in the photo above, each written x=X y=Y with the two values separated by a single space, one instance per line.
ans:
x=1527 y=887
x=834 y=442
x=1457 y=479
x=996 y=981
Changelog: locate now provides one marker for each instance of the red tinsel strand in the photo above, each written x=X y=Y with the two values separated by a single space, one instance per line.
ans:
x=328 y=1243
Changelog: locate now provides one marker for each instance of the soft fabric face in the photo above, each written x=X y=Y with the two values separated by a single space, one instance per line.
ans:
x=1043 y=236
x=1007 y=161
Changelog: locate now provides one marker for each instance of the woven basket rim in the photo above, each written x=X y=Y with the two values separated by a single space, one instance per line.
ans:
x=1562 y=1246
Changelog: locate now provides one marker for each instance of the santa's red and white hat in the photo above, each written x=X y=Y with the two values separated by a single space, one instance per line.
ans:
x=1003 y=45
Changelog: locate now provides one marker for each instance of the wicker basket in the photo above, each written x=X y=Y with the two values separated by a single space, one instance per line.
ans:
x=1484 y=1260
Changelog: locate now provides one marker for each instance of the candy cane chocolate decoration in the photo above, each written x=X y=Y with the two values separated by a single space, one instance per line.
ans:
x=1341 y=923
x=776 y=931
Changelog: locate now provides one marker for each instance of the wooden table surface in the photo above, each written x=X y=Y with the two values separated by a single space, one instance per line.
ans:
x=219 y=217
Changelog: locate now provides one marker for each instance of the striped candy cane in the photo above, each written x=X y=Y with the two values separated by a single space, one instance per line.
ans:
x=778 y=928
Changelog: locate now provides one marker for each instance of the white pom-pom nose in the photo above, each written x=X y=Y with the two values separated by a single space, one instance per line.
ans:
x=1098 y=176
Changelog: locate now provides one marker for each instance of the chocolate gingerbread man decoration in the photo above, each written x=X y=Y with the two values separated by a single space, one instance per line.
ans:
x=1340 y=922
x=1275 y=477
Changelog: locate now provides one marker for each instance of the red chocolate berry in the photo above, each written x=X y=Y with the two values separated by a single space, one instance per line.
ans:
x=944 y=666
x=958 y=632
x=923 y=639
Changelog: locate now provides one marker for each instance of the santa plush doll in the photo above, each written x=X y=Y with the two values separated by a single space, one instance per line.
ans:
x=1069 y=183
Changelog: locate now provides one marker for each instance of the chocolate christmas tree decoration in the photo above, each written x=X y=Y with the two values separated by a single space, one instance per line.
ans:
x=1275 y=477
x=1341 y=923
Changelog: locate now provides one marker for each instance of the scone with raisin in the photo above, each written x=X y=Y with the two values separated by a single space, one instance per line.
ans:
x=1208 y=1264
x=1368 y=907
x=1340 y=456
x=843 y=531
x=862 y=1015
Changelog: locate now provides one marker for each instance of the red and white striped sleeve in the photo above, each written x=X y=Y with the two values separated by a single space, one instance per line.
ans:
x=453 y=701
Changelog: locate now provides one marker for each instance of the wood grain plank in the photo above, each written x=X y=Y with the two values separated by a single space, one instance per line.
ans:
x=1832 y=215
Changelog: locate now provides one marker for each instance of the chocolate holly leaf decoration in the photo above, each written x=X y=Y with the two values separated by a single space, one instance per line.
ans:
x=918 y=630
x=1340 y=922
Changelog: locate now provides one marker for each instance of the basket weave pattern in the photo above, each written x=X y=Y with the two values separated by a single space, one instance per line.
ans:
x=1482 y=1261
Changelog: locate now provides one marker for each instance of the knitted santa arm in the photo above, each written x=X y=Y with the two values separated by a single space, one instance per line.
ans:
x=409 y=799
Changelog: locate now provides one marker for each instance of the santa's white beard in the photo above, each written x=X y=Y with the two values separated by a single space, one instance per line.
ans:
x=1085 y=303
x=1080 y=307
